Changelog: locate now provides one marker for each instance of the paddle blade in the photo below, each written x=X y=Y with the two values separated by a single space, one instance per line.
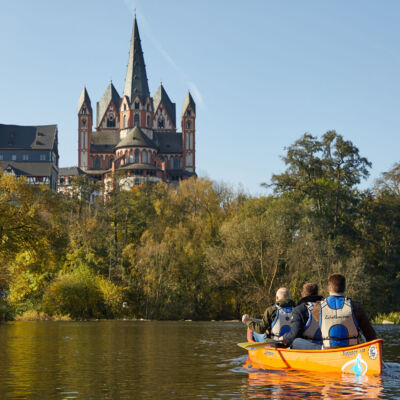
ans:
x=269 y=342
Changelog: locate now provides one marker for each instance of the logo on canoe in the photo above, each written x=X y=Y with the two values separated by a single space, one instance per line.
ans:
x=372 y=352
x=357 y=366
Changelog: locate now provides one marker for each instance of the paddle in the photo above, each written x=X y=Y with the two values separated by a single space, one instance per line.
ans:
x=272 y=342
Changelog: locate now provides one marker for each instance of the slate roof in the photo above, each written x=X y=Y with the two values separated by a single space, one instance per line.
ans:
x=104 y=141
x=188 y=101
x=70 y=171
x=28 y=169
x=139 y=166
x=136 y=138
x=161 y=96
x=110 y=95
x=136 y=77
x=84 y=98
x=168 y=142
x=42 y=137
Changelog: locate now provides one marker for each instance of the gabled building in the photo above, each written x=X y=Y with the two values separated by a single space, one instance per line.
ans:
x=136 y=134
x=30 y=151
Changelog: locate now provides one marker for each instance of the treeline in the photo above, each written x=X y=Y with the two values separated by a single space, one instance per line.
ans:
x=200 y=250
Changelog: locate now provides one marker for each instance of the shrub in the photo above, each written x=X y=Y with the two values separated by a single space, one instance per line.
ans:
x=112 y=297
x=75 y=293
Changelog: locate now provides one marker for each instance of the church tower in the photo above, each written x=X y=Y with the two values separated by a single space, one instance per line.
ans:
x=136 y=106
x=189 y=133
x=85 y=122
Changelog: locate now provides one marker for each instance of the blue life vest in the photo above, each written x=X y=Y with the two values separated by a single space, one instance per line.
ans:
x=337 y=322
x=281 y=324
x=311 y=329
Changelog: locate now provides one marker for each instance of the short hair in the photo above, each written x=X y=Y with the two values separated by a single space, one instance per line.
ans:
x=282 y=293
x=310 y=289
x=337 y=283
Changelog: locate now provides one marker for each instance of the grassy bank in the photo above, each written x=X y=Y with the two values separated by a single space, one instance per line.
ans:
x=391 y=317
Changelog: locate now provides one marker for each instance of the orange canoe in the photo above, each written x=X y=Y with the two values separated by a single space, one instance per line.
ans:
x=362 y=359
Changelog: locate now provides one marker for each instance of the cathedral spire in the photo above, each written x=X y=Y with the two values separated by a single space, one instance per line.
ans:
x=136 y=77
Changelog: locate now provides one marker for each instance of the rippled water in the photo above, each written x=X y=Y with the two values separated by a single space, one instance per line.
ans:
x=163 y=360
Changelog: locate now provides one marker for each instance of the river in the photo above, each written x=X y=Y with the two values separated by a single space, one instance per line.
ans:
x=163 y=360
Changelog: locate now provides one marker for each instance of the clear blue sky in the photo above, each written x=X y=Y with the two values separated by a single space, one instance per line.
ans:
x=262 y=72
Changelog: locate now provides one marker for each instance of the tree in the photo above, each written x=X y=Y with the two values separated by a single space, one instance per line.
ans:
x=326 y=172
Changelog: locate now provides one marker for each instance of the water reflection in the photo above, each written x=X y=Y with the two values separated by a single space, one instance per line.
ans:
x=284 y=385
x=162 y=360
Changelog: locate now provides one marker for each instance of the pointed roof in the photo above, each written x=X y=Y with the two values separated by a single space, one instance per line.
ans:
x=136 y=78
x=161 y=96
x=109 y=95
x=188 y=102
x=136 y=138
x=84 y=98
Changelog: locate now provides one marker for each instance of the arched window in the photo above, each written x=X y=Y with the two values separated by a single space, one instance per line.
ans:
x=136 y=106
x=144 y=157
x=137 y=156
x=111 y=122
x=148 y=121
x=97 y=163
x=161 y=123
x=189 y=124
x=125 y=124
x=176 y=163
x=131 y=160
x=136 y=119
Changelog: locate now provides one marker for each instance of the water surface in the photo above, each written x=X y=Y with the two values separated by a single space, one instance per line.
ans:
x=163 y=360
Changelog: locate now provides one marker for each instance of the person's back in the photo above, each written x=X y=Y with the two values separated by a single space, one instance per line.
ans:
x=276 y=318
x=305 y=333
x=340 y=319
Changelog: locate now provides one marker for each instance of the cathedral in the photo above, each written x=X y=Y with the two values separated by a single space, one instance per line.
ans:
x=136 y=135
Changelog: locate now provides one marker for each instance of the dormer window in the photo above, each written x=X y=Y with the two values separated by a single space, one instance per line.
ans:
x=136 y=119
x=188 y=124
x=148 y=121
x=148 y=107
x=124 y=107
x=136 y=106
x=188 y=113
x=161 y=123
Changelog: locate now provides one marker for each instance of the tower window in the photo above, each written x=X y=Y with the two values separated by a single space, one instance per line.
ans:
x=148 y=120
x=137 y=157
x=83 y=121
x=124 y=107
x=188 y=124
x=148 y=107
x=188 y=113
x=136 y=106
x=111 y=122
x=161 y=123
x=136 y=119
x=124 y=120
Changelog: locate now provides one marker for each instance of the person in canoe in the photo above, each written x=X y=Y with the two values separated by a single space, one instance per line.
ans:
x=275 y=321
x=340 y=319
x=304 y=328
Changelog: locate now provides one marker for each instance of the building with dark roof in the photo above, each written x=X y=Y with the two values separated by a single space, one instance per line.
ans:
x=136 y=134
x=30 y=151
